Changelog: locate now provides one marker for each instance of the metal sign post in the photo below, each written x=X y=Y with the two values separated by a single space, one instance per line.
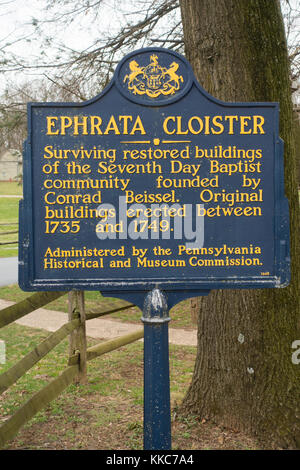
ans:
x=155 y=306
x=157 y=414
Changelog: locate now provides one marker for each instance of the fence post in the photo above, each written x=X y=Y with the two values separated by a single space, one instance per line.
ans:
x=78 y=336
x=195 y=306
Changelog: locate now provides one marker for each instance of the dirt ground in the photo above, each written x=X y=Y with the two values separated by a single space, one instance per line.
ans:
x=87 y=431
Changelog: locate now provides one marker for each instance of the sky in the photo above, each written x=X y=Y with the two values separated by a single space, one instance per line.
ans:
x=16 y=17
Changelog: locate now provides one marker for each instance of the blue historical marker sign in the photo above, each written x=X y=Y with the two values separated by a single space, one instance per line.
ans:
x=153 y=184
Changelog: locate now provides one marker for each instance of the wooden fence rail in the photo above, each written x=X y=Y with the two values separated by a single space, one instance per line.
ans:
x=9 y=233
x=10 y=428
x=35 y=301
x=39 y=400
x=91 y=315
x=10 y=376
x=9 y=223
x=8 y=243
x=108 y=346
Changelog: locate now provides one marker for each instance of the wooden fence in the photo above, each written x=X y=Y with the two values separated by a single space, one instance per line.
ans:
x=79 y=354
x=10 y=232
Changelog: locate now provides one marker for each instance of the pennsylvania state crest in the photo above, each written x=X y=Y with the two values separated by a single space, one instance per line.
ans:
x=153 y=80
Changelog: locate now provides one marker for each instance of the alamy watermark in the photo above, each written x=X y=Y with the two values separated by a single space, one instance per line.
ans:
x=156 y=222
x=2 y=352
x=296 y=354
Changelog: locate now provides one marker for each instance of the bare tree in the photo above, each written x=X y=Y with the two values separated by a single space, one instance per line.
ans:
x=144 y=23
x=137 y=23
x=13 y=112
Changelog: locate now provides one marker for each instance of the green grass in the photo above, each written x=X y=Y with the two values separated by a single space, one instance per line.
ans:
x=9 y=209
x=107 y=411
x=112 y=386
x=180 y=314
x=10 y=188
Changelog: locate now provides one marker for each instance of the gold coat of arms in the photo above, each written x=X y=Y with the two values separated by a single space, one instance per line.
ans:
x=153 y=80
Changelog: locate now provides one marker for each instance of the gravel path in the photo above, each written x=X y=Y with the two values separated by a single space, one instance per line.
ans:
x=100 y=328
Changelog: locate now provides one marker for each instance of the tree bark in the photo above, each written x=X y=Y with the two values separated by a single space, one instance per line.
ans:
x=244 y=377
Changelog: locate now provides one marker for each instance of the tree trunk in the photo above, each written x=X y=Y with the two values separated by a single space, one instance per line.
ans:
x=244 y=377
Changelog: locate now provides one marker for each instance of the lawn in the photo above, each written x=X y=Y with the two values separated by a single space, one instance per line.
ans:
x=9 y=209
x=107 y=412
x=180 y=314
x=10 y=188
